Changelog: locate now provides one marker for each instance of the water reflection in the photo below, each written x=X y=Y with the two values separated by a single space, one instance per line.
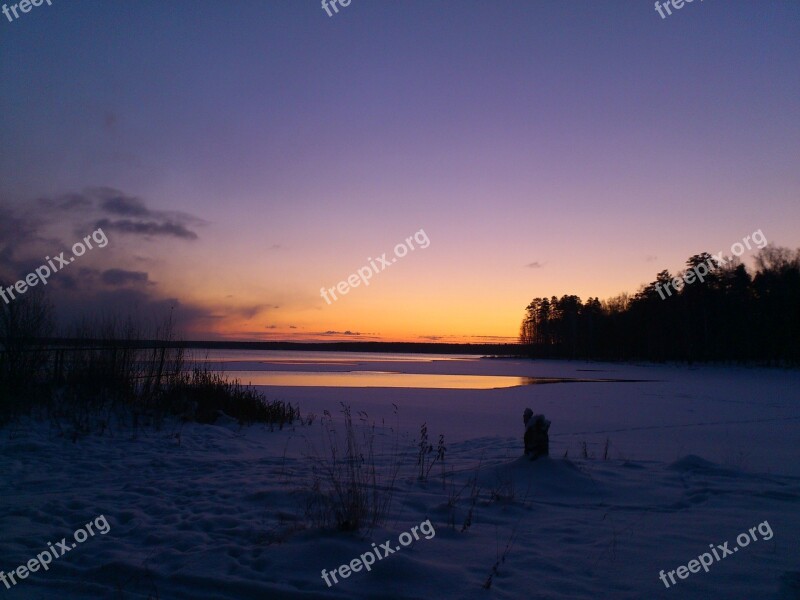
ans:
x=386 y=379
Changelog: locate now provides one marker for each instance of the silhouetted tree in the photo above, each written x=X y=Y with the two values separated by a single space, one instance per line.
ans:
x=723 y=313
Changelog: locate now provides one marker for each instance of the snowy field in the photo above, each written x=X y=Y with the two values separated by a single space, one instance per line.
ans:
x=696 y=457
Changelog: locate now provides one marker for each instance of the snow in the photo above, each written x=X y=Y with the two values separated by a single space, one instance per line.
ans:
x=697 y=456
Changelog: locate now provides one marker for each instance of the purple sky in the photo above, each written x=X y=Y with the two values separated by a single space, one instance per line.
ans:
x=259 y=151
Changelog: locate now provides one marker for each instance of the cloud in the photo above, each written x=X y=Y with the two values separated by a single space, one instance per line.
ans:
x=123 y=277
x=534 y=265
x=125 y=206
x=147 y=228
x=57 y=221
x=247 y=312
x=68 y=202
x=15 y=230
x=650 y=258
x=111 y=281
x=112 y=209
x=141 y=306
x=348 y=332
x=65 y=281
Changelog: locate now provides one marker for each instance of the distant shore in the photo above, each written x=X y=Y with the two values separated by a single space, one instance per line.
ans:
x=377 y=347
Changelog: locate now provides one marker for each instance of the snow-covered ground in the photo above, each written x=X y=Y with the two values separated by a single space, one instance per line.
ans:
x=697 y=457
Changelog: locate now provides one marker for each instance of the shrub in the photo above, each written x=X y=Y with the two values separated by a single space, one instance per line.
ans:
x=202 y=396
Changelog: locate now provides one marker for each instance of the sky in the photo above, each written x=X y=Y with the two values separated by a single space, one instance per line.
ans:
x=241 y=156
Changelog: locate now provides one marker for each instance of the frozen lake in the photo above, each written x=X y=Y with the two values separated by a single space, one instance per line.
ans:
x=363 y=370
x=743 y=417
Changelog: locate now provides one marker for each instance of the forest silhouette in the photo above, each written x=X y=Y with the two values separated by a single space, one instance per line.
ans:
x=732 y=316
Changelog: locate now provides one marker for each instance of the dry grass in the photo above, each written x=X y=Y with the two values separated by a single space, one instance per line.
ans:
x=347 y=491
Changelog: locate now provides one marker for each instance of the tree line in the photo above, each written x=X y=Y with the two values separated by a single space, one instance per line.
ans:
x=732 y=315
